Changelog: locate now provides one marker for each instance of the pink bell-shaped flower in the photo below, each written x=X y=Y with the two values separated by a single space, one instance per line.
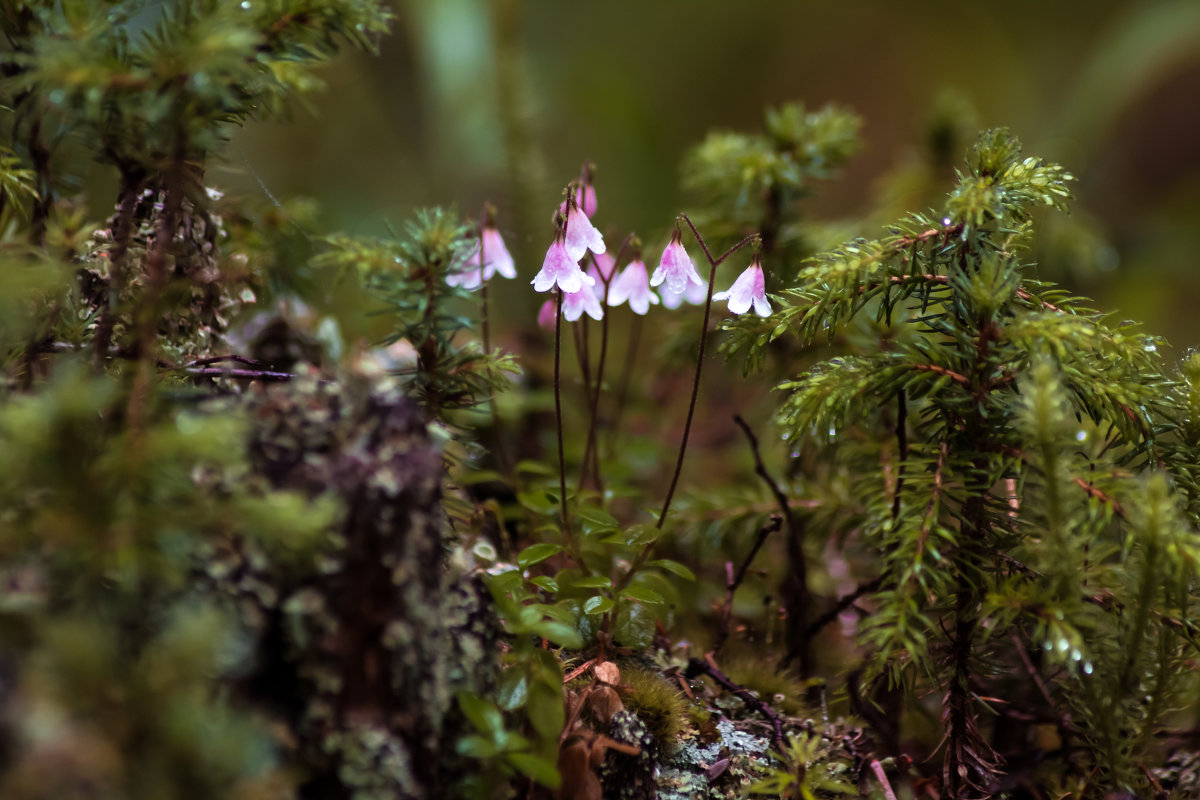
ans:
x=675 y=267
x=632 y=285
x=560 y=269
x=545 y=317
x=495 y=258
x=585 y=194
x=586 y=197
x=576 y=303
x=581 y=234
x=695 y=294
x=749 y=289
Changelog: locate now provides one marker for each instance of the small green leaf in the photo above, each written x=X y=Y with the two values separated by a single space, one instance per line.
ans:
x=537 y=553
x=475 y=746
x=505 y=581
x=546 y=709
x=592 y=582
x=560 y=613
x=480 y=476
x=538 y=502
x=633 y=625
x=512 y=689
x=675 y=567
x=558 y=633
x=545 y=582
x=641 y=535
x=599 y=519
x=597 y=605
x=540 y=769
x=483 y=715
x=642 y=594
x=535 y=468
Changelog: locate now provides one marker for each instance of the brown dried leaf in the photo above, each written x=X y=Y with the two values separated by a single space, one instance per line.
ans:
x=603 y=702
x=612 y=744
x=579 y=781
x=607 y=672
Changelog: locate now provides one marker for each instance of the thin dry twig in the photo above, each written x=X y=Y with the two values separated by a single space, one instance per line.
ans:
x=732 y=581
x=698 y=666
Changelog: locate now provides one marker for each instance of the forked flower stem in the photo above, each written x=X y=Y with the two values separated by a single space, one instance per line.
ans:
x=687 y=425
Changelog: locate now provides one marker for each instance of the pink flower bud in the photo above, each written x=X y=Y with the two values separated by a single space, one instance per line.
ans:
x=546 y=315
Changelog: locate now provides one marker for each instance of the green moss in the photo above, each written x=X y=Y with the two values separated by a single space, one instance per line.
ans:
x=783 y=690
x=657 y=702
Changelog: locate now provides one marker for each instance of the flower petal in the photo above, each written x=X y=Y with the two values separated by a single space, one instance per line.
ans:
x=749 y=289
x=581 y=235
x=559 y=268
x=496 y=254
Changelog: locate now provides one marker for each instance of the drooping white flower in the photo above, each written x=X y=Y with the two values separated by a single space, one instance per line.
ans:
x=560 y=269
x=749 y=289
x=576 y=303
x=495 y=259
x=632 y=285
x=675 y=268
x=581 y=234
x=695 y=294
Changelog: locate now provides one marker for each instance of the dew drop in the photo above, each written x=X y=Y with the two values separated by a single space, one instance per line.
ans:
x=945 y=220
x=1150 y=348
x=1087 y=668
x=832 y=431
x=1080 y=436
x=1076 y=655
x=1063 y=645
x=246 y=4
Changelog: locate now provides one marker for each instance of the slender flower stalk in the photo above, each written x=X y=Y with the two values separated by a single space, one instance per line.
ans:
x=502 y=262
x=562 y=461
x=605 y=267
x=687 y=425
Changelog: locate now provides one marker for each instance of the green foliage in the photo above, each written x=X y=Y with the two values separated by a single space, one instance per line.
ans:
x=409 y=276
x=809 y=771
x=1033 y=502
x=288 y=570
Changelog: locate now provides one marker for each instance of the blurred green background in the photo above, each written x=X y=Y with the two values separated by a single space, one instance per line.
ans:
x=473 y=100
